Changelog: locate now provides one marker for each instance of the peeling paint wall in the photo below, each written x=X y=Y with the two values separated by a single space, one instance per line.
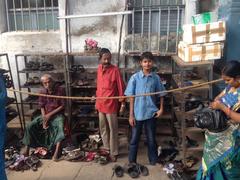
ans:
x=103 y=29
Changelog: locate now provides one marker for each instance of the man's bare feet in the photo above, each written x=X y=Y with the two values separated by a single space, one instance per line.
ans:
x=26 y=151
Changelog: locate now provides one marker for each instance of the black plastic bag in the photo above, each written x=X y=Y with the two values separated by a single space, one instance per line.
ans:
x=211 y=119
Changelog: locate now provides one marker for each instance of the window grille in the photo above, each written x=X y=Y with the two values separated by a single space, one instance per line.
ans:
x=155 y=25
x=25 y=15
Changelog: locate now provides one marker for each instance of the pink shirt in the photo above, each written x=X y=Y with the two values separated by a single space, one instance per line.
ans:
x=109 y=83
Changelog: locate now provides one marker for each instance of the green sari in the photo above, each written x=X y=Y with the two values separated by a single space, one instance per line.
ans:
x=221 y=154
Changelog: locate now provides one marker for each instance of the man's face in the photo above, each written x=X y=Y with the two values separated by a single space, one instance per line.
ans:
x=106 y=59
x=47 y=83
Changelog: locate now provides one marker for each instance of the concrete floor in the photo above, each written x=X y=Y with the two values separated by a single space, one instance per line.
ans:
x=64 y=170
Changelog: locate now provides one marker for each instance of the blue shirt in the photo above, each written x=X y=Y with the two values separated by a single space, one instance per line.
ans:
x=144 y=106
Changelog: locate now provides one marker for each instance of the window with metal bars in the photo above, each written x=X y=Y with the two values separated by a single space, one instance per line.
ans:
x=156 y=21
x=32 y=15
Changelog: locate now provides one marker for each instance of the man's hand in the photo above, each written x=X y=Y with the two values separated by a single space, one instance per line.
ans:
x=132 y=121
x=46 y=118
x=158 y=113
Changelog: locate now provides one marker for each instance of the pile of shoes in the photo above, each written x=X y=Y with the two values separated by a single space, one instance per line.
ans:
x=134 y=170
x=32 y=81
x=15 y=161
x=31 y=98
x=10 y=100
x=45 y=66
x=8 y=81
x=191 y=142
x=193 y=102
x=75 y=154
x=33 y=66
x=77 y=68
x=10 y=113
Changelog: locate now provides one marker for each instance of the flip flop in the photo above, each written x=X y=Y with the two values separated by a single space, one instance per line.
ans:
x=118 y=170
x=132 y=170
x=143 y=170
x=103 y=160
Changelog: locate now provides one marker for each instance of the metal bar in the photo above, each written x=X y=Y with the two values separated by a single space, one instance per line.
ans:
x=95 y=15
x=14 y=12
x=69 y=35
x=15 y=96
x=52 y=15
x=23 y=26
x=6 y=3
x=29 y=14
x=32 y=8
x=168 y=22
x=133 y=30
x=142 y=25
x=155 y=9
x=45 y=15
x=149 y=27
x=159 y=28
x=178 y=17
x=37 y=15
x=156 y=6
x=19 y=86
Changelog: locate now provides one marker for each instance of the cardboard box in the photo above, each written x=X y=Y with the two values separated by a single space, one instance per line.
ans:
x=200 y=52
x=204 y=33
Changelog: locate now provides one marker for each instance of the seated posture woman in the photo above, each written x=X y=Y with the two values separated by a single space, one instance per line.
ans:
x=221 y=155
x=47 y=130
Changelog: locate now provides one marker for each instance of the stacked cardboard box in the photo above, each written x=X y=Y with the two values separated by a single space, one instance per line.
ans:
x=202 y=42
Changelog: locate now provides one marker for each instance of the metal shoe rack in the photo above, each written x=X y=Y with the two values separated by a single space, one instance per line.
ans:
x=30 y=67
x=12 y=103
x=185 y=124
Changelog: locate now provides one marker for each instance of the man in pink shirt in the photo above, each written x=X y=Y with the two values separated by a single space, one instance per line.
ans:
x=109 y=83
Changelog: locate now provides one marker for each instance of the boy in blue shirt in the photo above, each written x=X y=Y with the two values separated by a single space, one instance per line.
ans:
x=143 y=109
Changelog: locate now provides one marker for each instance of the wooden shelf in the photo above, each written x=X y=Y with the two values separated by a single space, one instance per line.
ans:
x=181 y=63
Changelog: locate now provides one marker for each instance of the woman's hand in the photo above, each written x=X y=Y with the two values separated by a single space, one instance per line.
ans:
x=132 y=121
x=217 y=105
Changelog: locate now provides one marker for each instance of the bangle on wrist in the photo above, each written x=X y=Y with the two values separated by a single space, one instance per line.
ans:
x=228 y=112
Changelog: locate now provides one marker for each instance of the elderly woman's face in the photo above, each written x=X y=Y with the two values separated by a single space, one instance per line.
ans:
x=47 y=83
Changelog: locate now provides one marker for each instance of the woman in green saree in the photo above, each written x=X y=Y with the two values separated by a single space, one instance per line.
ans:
x=221 y=155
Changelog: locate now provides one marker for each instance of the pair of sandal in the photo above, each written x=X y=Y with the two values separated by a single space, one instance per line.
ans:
x=33 y=80
x=77 y=68
x=132 y=169
x=33 y=162
x=75 y=155
x=31 y=65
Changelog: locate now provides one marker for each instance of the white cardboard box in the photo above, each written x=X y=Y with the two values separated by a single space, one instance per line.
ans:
x=200 y=52
x=204 y=33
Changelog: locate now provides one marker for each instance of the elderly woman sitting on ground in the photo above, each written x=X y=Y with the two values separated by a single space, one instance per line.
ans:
x=47 y=129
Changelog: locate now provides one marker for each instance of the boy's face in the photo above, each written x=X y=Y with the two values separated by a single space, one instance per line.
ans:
x=146 y=64
x=106 y=59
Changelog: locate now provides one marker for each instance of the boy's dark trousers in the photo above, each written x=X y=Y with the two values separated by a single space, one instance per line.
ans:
x=150 y=130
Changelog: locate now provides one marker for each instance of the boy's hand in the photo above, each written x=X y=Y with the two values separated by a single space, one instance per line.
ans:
x=158 y=113
x=132 y=121
x=122 y=109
